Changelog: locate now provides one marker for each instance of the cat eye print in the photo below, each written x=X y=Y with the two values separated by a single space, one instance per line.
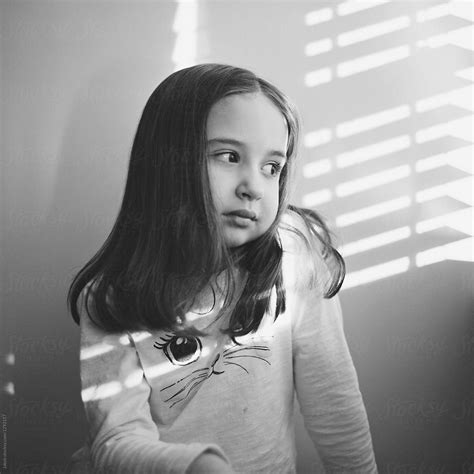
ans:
x=180 y=350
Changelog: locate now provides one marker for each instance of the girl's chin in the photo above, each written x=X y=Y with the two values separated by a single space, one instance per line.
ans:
x=234 y=238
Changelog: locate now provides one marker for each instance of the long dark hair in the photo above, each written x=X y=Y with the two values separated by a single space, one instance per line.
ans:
x=166 y=244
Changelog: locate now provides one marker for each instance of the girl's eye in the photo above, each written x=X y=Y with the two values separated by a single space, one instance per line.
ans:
x=228 y=156
x=274 y=169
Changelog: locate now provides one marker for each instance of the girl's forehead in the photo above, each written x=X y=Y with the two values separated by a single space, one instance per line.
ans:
x=250 y=115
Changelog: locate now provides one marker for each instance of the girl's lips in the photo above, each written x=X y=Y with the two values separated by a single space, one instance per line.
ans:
x=236 y=220
x=244 y=213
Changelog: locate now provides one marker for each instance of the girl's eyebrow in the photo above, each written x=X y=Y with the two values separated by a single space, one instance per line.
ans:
x=233 y=141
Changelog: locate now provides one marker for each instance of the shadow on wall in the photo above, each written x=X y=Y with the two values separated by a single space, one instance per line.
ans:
x=388 y=161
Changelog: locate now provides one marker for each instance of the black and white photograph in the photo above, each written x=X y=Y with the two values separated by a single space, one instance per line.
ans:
x=237 y=236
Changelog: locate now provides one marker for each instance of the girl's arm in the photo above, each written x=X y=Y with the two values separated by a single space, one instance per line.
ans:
x=328 y=390
x=123 y=437
x=325 y=378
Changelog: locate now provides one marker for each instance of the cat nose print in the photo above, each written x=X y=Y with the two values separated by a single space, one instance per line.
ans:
x=217 y=367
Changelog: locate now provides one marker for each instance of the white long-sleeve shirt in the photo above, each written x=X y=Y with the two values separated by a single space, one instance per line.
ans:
x=155 y=402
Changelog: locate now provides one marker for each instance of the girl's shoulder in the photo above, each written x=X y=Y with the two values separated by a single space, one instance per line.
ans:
x=303 y=263
x=299 y=235
x=87 y=306
x=294 y=228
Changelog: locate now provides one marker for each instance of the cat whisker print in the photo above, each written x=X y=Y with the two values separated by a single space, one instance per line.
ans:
x=186 y=350
x=187 y=376
x=251 y=356
x=261 y=348
x=234 y=363
x=229 y=354
x=202 y=377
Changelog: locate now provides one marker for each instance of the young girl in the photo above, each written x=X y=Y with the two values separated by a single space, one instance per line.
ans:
x=213 y=300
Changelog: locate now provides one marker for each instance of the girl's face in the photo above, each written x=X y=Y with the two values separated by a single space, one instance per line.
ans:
x=247 y=139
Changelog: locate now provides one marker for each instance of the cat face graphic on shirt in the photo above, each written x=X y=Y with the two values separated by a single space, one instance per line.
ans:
x=199 y=363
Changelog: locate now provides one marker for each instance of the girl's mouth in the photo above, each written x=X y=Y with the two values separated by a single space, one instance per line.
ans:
x=238 y=220
x=244 y=213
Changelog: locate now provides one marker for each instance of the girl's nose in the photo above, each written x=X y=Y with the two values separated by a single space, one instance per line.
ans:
x=250 y=187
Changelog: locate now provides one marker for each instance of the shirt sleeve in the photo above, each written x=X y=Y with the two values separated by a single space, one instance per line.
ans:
x=327 y=388
x=122 y=437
